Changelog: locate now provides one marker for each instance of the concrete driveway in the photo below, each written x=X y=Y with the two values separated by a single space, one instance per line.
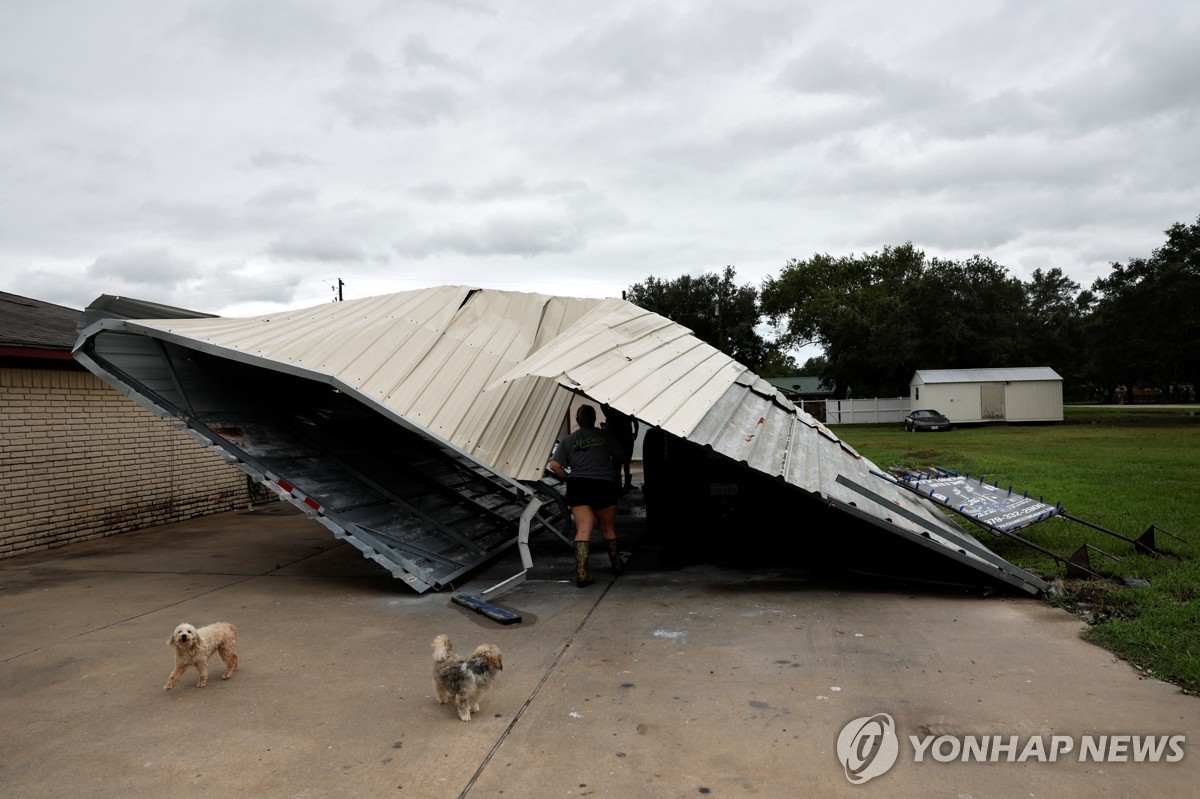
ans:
x=671 y=681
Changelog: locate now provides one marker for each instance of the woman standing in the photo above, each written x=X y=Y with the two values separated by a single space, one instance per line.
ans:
x=593 y=487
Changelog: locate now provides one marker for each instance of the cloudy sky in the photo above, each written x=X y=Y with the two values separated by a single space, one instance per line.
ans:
x=241 y=157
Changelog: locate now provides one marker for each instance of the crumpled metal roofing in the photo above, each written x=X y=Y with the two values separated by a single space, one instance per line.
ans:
x=482 y=371
x=656 y=371
x=425 y=355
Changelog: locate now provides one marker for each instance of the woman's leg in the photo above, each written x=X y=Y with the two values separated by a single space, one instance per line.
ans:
x=585 y=521
x=606 y=518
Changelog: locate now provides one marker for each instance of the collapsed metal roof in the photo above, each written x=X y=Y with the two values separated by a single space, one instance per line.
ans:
x=334 y=405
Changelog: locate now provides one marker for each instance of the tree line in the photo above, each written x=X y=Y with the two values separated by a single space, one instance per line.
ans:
x=879 y=317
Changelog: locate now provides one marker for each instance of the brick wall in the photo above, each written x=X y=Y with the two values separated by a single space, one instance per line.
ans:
x=78 y=461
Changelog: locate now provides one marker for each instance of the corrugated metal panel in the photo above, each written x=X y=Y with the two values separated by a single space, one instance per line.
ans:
x=985 y=375
x=425 y=513
x=1029 y=394
x=1034 y=402
x=779 y=441
x=648 y=368
x=425 y=355
x=478 y=373
x=960 y=402
x=639 y=362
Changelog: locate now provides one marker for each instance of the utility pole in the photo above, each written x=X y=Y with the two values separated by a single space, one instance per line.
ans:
x=339 y=290
x=720 y=324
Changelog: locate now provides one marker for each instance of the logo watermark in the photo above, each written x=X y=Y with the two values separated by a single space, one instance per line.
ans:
x=869 y=746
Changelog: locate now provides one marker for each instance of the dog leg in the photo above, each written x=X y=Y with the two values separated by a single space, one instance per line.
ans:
x=180 y=668
x=202 y=667
x=231 y=660
x=464 y=707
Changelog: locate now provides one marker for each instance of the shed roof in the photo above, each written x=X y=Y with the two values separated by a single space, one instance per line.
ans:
x=482 y=372
x=1007 y=375
x=425 y=355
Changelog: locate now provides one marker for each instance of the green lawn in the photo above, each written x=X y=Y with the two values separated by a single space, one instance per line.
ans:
x=1120 y=468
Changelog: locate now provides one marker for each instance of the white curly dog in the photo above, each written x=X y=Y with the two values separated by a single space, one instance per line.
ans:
x=194 y=647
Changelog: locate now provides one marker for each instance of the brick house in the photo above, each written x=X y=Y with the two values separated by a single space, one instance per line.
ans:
x=77 y=459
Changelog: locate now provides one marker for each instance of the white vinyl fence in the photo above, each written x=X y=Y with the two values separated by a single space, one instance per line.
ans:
x=879 y=410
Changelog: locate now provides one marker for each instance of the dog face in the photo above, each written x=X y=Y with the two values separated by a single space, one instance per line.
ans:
x=490 y=655
x=184 y=636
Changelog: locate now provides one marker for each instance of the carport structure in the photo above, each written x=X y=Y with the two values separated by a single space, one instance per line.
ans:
x=417 y=425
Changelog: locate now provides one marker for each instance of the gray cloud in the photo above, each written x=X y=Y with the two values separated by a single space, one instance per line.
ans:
x=146 y=267
x=305 y=248
x=278 y=28
x=499 y=234
x=277 y=159
x=420 y=56
x=367 y=106
x=186 y=150
x=284 y=196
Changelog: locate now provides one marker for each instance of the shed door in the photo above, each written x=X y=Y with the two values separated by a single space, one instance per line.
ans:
x=991 y=400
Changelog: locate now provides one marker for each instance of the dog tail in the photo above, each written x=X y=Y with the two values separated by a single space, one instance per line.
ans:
x=441 y=648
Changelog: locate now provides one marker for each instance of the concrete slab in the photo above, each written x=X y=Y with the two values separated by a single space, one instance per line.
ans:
x=670 y=681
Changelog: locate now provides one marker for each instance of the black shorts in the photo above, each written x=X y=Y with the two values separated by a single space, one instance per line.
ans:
x=596 y=493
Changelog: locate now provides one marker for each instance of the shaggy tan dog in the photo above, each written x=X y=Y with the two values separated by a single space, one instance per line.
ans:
x=194 y=647
x=463 y=679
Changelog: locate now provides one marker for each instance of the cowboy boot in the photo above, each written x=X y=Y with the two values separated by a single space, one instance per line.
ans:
x=582 y=550
x=614 y=557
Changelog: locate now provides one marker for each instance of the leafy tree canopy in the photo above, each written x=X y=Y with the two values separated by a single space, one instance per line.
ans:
x=717 y=311
x=881 y=316
x=878 y=317
x=1146 y=318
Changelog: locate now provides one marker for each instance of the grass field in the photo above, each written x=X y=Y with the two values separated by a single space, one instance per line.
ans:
x=1120 y=468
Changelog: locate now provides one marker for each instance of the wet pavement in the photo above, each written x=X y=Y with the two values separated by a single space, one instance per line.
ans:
x=674 y=680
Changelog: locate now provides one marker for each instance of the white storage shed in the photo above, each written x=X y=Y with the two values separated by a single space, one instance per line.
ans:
x=1026 y=394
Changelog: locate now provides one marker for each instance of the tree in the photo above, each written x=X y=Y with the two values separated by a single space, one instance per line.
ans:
x=1147 y=318
x=779 y=363
x=882 y=316
x=815 y=365
x=969 y=314
x=1055 y=325
x=716 y=310
x=1120 y=335
x=854 y=308
x=1178 y=283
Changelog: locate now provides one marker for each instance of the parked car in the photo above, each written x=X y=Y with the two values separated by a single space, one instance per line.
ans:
x=926 y=421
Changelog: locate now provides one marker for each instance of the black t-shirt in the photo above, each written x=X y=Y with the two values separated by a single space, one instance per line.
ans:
x=589 y=452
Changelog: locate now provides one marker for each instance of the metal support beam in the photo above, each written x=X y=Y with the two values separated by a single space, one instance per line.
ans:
x=1145 y=542
x=523 y=532
x=1114 y=534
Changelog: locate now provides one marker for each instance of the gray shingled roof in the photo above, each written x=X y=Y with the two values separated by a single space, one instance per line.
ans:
x=33 y=324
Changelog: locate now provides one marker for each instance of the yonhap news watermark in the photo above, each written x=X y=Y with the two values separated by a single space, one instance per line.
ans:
x=869 y=746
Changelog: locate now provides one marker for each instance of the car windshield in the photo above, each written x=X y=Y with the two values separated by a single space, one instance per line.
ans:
x=925 y=413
